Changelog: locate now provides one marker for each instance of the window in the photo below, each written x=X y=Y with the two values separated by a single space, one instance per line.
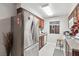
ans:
x=55 y=27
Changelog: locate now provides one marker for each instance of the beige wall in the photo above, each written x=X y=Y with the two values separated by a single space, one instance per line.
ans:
x=6 y=11
x=4 y=28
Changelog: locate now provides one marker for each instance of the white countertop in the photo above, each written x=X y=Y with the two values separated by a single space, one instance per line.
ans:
x=42 y=34
x=73 y=43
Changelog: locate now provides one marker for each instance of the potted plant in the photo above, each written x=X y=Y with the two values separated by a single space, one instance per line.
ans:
x=8 y=42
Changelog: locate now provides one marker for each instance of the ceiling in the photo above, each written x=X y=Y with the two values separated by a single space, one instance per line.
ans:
x=59 y=9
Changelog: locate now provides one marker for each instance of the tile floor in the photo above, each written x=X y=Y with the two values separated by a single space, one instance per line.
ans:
x=58 y=52
x=51 y=50
x=47 y=50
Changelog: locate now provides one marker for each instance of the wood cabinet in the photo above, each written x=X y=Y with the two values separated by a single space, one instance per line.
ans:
x=75 y=15
x=41 y=41
x=68 y=50
x=41 y=22
x=75 y=52
x=78 y=12
x=71 y=51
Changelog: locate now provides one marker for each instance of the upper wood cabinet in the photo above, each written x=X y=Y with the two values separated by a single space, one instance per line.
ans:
x=41 y=22
x=75 y=14
x=78 y=12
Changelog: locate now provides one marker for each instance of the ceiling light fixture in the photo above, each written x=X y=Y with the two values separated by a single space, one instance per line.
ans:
x=47 y=10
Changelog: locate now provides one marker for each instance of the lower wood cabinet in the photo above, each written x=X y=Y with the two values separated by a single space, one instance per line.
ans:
x=75 y=52
x=41 y=41
x=70 y=51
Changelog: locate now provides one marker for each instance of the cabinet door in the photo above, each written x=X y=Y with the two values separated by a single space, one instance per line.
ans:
x=75 y=52
x=41 y=23
x=41 y=42
x=68 y=50
x=78 y=12
x=75 y=12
